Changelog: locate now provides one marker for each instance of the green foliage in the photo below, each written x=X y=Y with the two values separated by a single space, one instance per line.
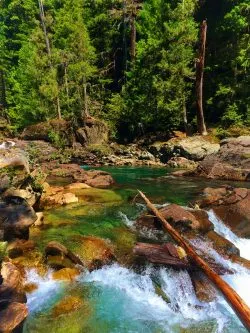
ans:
x=57 y=139
x=231 y=117
x=89 y=69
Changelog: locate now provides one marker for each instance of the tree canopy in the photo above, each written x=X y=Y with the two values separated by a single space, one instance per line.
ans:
x=129 y=62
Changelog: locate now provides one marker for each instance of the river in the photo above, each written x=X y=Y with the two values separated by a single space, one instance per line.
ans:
x=117 y=298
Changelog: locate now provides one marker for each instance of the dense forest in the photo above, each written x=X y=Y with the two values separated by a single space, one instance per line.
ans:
x=131 y=63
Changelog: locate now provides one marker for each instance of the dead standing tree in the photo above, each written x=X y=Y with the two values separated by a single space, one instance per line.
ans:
x=48 y=49
x=199 y=79
x=129 y=12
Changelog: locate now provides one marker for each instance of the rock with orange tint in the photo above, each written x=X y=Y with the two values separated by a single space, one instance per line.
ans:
x=12 y=316
x=66 y=274
x=231 y=205
x=30 y=287
x=95 y=252
x=56 y=196
x=67 y=305
x=19 y=247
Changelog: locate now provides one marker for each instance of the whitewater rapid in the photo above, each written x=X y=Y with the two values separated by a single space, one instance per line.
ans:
x=126 y=296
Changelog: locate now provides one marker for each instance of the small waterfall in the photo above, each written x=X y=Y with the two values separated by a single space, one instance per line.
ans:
x=242 y=243
x=46 y=292
x=136 y=296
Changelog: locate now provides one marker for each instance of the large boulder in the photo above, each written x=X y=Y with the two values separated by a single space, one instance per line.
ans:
x=99 y=179
x=231 y=205
x=28 y=194
x=182 y=163
x=231 y=162
x=74 y=173
x=16 y=216
x=55 y=131
x=93 y=132
x=182 y=219
x=194 y=148
x=12 y=287
x=12 y=316
x=13 y=157
x=58 y=256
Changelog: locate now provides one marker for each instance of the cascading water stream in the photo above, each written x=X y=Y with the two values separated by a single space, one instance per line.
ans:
x=243 y=244
x=128 y=298
x=125 y=300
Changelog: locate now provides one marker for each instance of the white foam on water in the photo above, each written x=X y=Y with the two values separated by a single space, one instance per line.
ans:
x=143 y=231
x=242 y=243
x=129 y=223
x=184 y=308
x=47 y=289
x=239 y=281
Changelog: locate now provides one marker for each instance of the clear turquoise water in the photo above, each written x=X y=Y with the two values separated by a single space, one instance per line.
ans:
x=117 y=299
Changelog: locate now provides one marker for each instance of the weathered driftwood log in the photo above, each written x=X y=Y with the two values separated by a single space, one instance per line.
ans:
x=235 y=301
x=167 y=254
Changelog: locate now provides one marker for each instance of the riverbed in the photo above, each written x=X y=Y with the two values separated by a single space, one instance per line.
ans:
x=118 y=298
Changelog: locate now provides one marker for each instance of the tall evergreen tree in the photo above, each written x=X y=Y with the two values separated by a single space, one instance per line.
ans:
x=159 y=87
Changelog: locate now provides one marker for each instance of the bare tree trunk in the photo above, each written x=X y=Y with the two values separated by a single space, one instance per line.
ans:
x=234 y=300
x=199 y=79
x=2 y=91
x=58 y=107
x=185 y=117
x=85 y=96
x=42 y=17
x=133 y=39
x=66 y=82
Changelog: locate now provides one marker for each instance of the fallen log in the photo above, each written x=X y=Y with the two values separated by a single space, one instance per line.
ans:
x=159 y=254
x=236 y=302
x=167 y=254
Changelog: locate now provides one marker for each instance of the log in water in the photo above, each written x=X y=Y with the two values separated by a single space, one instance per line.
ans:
x=235 y=301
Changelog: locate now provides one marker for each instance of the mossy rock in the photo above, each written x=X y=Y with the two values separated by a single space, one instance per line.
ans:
x=125 y=241
x=97 y=195
x=94 y=251
x=32 y=260
x=66 y=274
x=3 y=247
x=59 y=262
x=67 y=305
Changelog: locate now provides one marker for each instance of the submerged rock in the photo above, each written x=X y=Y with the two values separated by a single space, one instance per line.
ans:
x=56 y=196
x=58 y=256
x=67 y=305
x=204 y=289
x=95 y=252
x=66 y=274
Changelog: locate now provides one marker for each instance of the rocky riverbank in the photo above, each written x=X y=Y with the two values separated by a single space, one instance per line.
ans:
x=29 y=177
x=56 y=143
